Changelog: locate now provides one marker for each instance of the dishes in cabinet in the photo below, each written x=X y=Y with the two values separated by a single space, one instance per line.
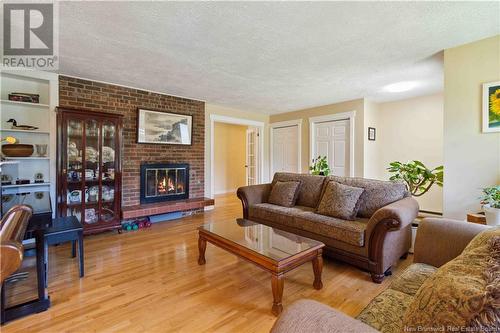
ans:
x=92 y=194
x=75 y=196
x=72 y=151
x=89 y=174
x=108 y=193
x=108 y=154
x=110 y=174
x=91 y=154
x=90 y=216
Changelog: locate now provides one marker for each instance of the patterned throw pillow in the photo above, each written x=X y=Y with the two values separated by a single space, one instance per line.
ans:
x=284 y=193
x=464 y=294
x=340 y=201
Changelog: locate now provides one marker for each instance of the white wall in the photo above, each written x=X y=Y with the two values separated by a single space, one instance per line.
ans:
x=410 y=129
x=471 y=158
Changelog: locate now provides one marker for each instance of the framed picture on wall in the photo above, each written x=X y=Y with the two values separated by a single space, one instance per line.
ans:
x=371 y=133
x=163 y=128
x=491 y=107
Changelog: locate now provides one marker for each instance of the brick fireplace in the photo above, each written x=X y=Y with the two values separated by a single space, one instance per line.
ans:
x=98 y=96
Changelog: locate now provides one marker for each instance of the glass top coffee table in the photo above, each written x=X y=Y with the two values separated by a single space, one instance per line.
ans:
x=271 y=249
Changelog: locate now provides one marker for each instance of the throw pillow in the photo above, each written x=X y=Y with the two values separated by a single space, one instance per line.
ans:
x=340 y=201
x=284 y=193
x=464 y=293
x=377 y=194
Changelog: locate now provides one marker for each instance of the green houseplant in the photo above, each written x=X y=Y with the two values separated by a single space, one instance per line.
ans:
x=320 y=166
x=491 y=204
x=418 y=178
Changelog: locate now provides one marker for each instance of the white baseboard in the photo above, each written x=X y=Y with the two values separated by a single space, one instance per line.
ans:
x=225 y=191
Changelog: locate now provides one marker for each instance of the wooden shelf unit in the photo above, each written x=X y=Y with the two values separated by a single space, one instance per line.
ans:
x=41 y=115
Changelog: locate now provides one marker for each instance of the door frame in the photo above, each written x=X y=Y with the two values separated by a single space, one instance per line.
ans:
x=235 y=121
x=279 y=124
x=350 y=116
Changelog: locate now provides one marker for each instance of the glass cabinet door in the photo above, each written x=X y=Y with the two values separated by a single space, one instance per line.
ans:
x=108 y=168
x=92 y=171
x=74 y=168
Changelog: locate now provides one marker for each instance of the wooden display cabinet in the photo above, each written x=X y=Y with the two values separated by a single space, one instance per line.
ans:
x=89 y=168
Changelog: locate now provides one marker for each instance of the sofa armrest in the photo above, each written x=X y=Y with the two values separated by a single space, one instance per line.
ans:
x=311 y=316
x=394 y=216
x=440 y=240
x=384 y=244
x=253 y=194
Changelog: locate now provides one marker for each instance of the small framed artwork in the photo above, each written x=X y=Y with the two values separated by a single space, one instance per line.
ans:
x=491 y=107
x=163 y=128
x=371 y=133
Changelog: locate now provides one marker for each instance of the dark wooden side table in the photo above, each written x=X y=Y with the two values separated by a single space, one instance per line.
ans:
x=62 y=230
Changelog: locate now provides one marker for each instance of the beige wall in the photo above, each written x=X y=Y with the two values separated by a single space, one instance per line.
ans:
x=354 y=105
x=471 y=158
x=213 y=109
x=229 y=157
x=371 y=148
x=410 y=129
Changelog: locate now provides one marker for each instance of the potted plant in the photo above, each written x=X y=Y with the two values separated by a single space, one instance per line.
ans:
x=491 y=204
x=320 y=166
x=417 y=177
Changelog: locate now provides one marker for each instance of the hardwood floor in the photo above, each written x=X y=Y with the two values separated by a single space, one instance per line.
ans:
x=150 y=280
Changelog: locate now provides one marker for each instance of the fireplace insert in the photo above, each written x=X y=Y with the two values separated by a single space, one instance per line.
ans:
x=164 y=182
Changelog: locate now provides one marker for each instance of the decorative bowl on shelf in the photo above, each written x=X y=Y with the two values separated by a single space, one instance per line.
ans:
x=17 y=150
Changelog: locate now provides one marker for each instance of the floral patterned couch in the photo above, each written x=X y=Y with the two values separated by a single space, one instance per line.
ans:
x=452 y=286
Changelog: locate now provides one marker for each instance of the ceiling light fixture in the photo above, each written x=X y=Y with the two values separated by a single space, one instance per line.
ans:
x=400 y=86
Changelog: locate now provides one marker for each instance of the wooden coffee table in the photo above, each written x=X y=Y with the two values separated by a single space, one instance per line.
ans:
x=271 y=249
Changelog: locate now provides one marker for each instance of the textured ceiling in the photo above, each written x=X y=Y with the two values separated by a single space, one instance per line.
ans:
x=269 y=57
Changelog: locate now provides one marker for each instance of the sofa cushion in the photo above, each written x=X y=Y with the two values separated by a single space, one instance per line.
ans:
x=351 y=232
x=310 y=187
x=340 y=201
x=385 y=312
x=304 y=218
x=275 y=213
x=463 y=293
x=412 y=278
x=377 y=194
x=284 y=193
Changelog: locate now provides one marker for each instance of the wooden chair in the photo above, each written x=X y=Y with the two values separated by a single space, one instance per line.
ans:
x=12 y=229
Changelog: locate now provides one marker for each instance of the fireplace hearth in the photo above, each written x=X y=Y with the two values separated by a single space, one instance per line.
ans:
x=164 y=182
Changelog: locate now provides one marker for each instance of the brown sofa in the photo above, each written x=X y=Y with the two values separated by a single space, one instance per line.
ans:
x=379 y=236
x=452 y=286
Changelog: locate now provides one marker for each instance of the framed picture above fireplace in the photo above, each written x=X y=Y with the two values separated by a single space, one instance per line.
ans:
x=163 y=128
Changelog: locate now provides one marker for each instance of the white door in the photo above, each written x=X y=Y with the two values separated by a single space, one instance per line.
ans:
x=252 y=153
x=332 y=140
x=285 y=149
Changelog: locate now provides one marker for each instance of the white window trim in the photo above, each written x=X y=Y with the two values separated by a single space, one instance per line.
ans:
x=350 y=115
x=280 y=124
x=235 y=121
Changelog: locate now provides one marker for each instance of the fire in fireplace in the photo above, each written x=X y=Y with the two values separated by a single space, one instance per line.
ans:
x=164 y=181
